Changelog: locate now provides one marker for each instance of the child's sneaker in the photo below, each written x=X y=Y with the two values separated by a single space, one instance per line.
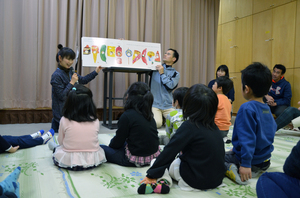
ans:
x=47 y=136
x=233 y=174
x=37 y=134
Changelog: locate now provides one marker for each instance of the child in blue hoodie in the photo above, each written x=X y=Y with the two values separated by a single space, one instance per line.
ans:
x=254 y=128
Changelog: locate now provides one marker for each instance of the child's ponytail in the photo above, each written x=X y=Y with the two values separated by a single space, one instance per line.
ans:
x=146 y=108
x=79 y=105
x=139 y=98
x=65 y=52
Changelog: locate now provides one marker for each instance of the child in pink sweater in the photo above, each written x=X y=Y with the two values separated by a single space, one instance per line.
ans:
x=78 y=147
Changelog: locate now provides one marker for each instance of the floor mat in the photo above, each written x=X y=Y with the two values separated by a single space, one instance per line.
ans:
x=40 y=178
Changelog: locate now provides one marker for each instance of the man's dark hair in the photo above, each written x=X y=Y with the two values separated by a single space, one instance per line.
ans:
x=175 y=54
x=258 y=77
x=281 y=67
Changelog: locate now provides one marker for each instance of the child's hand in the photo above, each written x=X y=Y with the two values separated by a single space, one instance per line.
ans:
x=245 y=173
x=13 y=149
x=98 y=69
x=147 y=180
x=74 y=79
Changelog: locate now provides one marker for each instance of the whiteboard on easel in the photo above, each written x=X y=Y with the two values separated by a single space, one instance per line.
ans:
x=119 y=53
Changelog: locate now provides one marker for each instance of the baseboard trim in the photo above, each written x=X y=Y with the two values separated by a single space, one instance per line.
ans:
x=43 y=115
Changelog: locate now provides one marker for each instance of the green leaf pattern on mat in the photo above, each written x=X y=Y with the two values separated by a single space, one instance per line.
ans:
x=26 y=168
x=241 y=191
x=122 y=182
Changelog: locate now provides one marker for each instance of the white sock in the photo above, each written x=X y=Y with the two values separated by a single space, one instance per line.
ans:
x=46 y=137
x=52 y=145
x=37 y=134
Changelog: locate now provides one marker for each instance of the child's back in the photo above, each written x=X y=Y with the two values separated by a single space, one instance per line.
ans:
x=254 y=127
x=202 y=159
x=201 y=162
x=136 y=141
x=140 y=134
x=78 y=147
x=79 y=144
x=254 y=131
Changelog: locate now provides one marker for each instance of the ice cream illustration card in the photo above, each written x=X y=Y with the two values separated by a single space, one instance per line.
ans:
x=119 y=53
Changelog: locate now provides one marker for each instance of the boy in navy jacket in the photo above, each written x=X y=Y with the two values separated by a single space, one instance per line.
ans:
x=254 y=128
x=280 y=94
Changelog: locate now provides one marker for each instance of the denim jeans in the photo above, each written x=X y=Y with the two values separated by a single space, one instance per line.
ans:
x=286 y=117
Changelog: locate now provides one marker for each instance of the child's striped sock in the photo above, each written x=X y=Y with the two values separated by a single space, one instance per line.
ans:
x=161 y=187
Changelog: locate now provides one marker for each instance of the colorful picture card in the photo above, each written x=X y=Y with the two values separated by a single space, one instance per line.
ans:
x=119 y=53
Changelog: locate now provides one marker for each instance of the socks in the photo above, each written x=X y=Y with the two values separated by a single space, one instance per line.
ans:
x=10 y=183
x=161 y=187
x=52 y=145
x=47 y=136
x=37 y=134
x=233 y=174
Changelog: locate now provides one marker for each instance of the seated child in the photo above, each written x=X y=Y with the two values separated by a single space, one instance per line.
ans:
x=287 y=184
x=254 y=128
x=136 y=141
x=201 y=164
x=78 y=147
x=223 y=116
x=11 y=144
x=10 y=187
x=174 y=119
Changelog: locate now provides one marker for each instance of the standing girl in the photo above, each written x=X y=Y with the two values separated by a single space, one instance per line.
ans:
x=78 y=133
x=223 y=71
x=136 y=141
x=63 y=80
x=201 y=164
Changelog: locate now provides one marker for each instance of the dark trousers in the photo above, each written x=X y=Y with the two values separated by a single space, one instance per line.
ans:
x=275 y=184
x=117 y=156
x=230 y=158
x=277 y=110
x=25 y=141
x=54 y=125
